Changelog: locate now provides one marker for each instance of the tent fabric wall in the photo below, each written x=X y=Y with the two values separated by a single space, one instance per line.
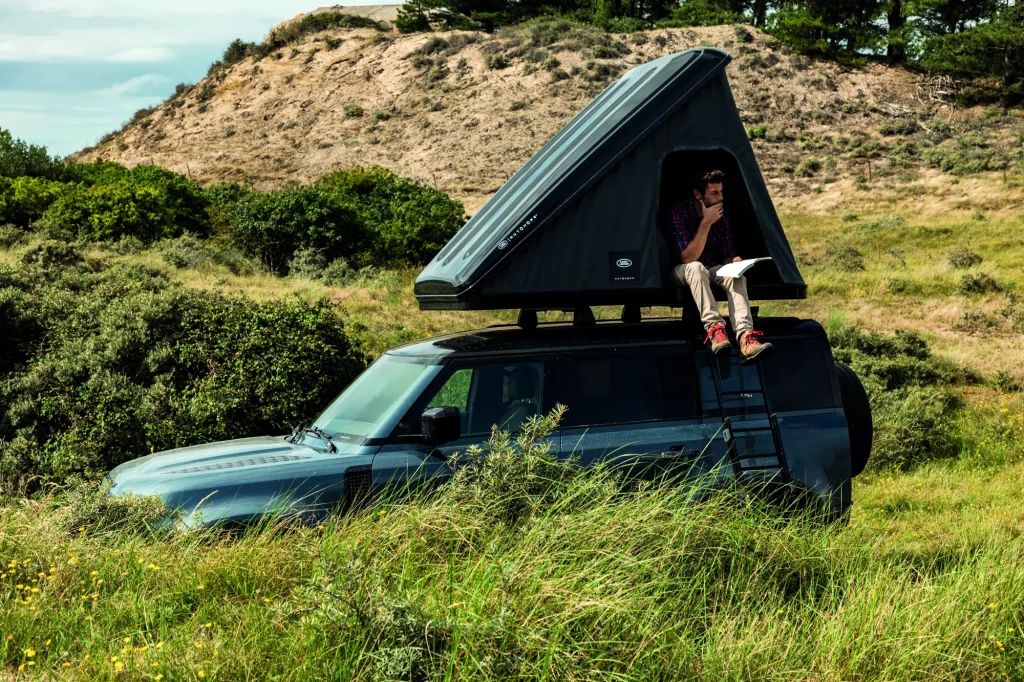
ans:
x=578 y=224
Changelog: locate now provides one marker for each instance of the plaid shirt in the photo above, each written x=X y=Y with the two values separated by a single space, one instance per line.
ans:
x=718 y=248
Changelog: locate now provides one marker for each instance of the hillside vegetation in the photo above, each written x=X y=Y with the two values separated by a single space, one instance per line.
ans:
x=461 y=111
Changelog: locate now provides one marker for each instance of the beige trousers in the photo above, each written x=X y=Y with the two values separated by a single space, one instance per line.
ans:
x=699 y=279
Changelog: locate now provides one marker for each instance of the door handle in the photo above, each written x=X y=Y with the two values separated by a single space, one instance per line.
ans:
x=677 y=452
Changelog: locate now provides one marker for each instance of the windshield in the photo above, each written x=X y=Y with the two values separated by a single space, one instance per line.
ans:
x=373 y=396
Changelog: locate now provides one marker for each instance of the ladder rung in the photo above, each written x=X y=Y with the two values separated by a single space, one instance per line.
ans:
x=749 y=392
x=752 y=428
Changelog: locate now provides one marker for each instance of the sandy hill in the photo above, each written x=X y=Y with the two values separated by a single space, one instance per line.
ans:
x=462 y=111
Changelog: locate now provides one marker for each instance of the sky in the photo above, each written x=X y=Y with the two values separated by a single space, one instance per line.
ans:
x=73 y=70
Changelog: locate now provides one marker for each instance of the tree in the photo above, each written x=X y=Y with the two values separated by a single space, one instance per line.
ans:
x=837 y=28
x=942 y=17
x=896 y=39
x=993 y=49
x=18 y=158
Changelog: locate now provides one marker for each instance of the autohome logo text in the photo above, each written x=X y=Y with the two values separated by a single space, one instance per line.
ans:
x=512 y=236
x=624 y=262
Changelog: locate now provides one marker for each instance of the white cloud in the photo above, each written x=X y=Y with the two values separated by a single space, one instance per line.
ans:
x=133 y=85
x=142 y=55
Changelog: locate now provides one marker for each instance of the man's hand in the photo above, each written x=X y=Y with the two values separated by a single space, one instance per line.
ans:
x=712 y=214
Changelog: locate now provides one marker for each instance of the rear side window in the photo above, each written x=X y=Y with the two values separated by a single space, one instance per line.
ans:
x=797 y=376
x=627 y=386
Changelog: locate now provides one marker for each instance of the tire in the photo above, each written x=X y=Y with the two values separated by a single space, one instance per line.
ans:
x=858 y=417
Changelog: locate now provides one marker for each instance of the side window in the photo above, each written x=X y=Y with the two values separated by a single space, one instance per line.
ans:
x=502 y=393
x=454 y=392
x=623 y=387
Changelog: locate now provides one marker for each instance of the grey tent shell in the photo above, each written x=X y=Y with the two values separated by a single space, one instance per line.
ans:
x=583 y=221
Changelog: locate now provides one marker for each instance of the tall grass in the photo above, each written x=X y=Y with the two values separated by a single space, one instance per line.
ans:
x=567 y=575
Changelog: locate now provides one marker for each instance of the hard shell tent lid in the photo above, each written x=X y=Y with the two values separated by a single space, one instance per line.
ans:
x=584 y=222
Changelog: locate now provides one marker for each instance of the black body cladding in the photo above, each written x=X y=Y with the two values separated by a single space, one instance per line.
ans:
x=582 y=222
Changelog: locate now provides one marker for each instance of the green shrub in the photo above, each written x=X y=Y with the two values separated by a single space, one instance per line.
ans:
x=843 y=257
x=146 y=202
x=25 y=199
x=311 y=264
x=409 y=223
x=187 y=251
x=497 y=61
x=271 y=226
x=757 y=133
x=912 y=408
x=963 y=258
x=126 y=362
x=1004 y=381
x=972 y=284
x=51 y=255
x=808 y=168
x=10 y=236
x=89 y=508
x=352 y=110
x=906 y=126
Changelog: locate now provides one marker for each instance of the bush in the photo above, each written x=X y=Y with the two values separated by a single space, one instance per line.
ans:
x=271 y=226
x=187 y=251
x=497 y=61
x=757 y=133
x=808 y=168
x=963 y=258
x=146 y=202
x=24 y=200
x=89 y=508
x=843 y=257
x=10 y=236
x=409 y=223
x=127 y=362
x=907 y=386
x=906 y=126
x=972 y=284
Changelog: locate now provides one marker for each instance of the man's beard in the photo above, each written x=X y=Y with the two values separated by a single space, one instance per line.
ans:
x=708 y=204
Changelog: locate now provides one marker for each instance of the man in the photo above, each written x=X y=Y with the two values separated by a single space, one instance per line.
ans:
x=703 y=235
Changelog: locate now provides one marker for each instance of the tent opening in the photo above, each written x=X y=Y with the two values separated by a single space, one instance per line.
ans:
x=679 y=169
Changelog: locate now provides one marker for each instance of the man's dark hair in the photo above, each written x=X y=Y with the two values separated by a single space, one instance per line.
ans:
x=702 y=180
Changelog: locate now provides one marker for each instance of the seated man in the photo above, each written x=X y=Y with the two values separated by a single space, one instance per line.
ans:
x=703 y=235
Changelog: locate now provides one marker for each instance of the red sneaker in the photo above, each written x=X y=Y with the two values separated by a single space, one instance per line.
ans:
x=752 y=349
x=717 y=338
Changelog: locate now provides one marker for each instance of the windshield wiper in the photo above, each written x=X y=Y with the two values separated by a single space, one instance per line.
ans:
x=305 y=427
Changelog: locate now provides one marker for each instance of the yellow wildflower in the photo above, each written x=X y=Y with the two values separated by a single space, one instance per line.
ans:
x=126 y=640
x=201 y=674
x=119 y=666
x=159 y=676
x=30 y=652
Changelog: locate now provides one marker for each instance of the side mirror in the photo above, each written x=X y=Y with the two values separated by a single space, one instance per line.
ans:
x=441 y=425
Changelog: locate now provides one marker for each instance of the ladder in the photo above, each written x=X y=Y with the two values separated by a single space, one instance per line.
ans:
x=764 y=463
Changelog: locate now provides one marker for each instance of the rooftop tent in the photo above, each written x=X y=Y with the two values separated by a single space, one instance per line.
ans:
x=583 y=222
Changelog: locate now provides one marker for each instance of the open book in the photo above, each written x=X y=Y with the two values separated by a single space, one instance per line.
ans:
x=737 y=269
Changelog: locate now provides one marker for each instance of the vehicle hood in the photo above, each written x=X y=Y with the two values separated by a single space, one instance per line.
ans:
x=239 y=480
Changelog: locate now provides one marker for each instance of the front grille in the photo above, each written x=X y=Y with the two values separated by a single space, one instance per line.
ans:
x=238 y=463
x=358 y=482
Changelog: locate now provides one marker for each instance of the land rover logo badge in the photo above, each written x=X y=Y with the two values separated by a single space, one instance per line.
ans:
x=502 y=244
x=624 y=262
